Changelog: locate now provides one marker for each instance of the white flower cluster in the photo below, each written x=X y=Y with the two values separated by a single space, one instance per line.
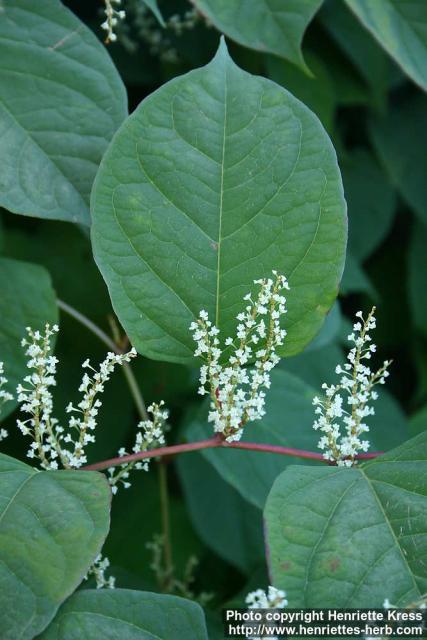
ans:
x=271 y=599
x=112 y=17
x=97 y=570
x=51 y=443
x=5 y=396
x=346 y=403
x=149 y=436
x=235 y=390
x=36 y=397
x=87 y=409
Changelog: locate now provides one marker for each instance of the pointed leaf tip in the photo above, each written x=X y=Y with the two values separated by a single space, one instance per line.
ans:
x=222 y=48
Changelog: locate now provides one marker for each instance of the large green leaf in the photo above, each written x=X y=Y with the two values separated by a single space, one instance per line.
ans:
x=273 y=26
x=52 y=526
x=61 y=100
x=341 y=537
x=400 y=26
x=216 y=179
x=400 y=139
x=26 y=299
x=121 y=614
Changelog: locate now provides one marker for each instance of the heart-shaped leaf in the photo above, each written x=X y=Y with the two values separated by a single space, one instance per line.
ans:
x=121 y=614
x=215 y=180
x=61 y=100
x=342 y=537
x=26 y=299
x=400 y=27
x=276 y=26
x=52 y=526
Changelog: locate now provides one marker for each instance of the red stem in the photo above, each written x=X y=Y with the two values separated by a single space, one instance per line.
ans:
x=215 y=442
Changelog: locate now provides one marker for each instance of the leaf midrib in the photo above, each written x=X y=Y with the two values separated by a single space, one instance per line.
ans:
x=221 y=202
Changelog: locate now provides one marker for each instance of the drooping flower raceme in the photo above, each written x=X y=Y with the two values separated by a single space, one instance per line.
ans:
x=112 y=17
x=345 y=406
x=5 y=396
x=236 y=391
x=149 y=436
x=51 y=442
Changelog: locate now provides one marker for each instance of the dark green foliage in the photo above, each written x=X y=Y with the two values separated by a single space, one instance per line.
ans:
x=296 y=144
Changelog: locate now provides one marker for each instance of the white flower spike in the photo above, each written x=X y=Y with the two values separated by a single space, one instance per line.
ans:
x=346 y=403
x=150 y=436
x=112 y=18
x=5 y=396
x=51 y=442
x=235 y=390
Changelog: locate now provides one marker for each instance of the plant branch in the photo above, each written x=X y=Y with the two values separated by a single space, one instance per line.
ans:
x=212 y=443
x=97 y=331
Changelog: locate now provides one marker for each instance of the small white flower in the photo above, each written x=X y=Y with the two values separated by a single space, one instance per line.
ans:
x=112 y=18
x=97 y=570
